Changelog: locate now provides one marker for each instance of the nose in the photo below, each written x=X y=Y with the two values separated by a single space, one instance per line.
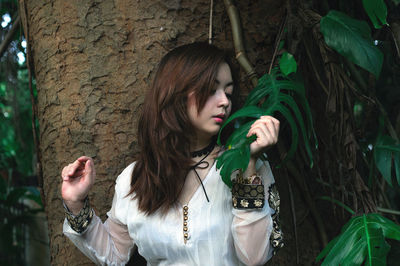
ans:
x=223 y=100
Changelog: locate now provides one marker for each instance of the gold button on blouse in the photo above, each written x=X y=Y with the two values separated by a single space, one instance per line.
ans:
x=185 y=224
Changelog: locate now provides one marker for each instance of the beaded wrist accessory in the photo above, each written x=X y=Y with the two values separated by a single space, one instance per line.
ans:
x=248 y=193
x=80 y=222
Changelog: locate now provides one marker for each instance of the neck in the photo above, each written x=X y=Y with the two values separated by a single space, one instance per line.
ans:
x=200 y=143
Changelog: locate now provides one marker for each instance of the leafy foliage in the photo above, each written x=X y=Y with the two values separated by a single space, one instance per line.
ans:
x=362 y=240
x=377 y=12
x=15 y=214
x=16 y=146
x=287 y=64
x=386 y=154
x=274 y=94
x=352 y=39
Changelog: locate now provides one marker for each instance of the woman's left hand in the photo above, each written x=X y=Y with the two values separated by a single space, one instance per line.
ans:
x=266 y=128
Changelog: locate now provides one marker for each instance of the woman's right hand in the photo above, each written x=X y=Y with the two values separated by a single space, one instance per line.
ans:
x=78 y=177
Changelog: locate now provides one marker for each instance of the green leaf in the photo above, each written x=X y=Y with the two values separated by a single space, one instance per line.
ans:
x=385 y=151
x=290 y=101
x=362 y=240
x=239 y=135
x=377 y=12
x=352 y=39
x=287 y=64
x=268 y=84
x=234 y=159
x=396 y=158
x=396 y=2
x=327 y=249
x=376 y=245
x=281 y=44
x=248 y=111
x=276 y=93
x=295 y=133
x=383 y=161
x=390 y=229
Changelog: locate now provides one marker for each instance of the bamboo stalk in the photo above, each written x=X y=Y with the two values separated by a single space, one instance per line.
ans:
x=237 y=35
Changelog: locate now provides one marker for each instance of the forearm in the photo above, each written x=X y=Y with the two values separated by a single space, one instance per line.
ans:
x=251 y=229
x=104 y=244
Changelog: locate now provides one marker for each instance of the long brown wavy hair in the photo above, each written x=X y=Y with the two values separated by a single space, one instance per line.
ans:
x=164 y=128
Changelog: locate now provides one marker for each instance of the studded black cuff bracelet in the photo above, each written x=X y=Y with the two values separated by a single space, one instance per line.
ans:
x=80 y=222
x=248 y=196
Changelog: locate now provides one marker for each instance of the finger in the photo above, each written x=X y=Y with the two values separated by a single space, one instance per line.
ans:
x=272 y=129
x=261 y=125
x=64 y=171
x=276 y=123
x=89 y=173
x=73 y=167
x=262 y=120
x=269 y=120
x=262 y=138
x=84 y=159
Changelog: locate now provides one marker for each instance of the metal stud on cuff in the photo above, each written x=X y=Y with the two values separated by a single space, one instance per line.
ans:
x=248 y=196
x=80 y=222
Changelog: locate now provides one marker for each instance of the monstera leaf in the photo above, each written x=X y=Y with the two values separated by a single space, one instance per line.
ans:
x=275 y=93
x=362 y=241
x=352 y=39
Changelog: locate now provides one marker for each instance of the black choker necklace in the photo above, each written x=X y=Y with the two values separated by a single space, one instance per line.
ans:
x=204 y=151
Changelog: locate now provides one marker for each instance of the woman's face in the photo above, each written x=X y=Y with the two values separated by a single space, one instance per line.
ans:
x=217 y=107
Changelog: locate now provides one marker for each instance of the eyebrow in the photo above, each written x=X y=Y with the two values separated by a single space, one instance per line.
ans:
x=230 y=83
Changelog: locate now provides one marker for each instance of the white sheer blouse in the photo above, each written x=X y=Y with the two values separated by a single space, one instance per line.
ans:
x=218 y=233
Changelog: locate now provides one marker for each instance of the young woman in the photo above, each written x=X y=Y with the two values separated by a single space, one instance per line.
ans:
x=171 y=202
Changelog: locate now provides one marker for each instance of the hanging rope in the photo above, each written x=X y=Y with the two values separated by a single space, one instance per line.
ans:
x=211 y=23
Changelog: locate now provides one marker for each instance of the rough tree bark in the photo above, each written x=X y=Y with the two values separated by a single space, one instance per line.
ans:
x=93 y=61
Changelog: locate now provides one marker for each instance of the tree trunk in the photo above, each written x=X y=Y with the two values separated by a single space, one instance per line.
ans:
x=93 y=61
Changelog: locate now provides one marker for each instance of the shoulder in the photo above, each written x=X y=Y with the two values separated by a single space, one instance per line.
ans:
x=123 y=182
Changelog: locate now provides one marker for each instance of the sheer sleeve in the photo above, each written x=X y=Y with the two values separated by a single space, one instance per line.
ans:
x=108 y=243
x=251 y=229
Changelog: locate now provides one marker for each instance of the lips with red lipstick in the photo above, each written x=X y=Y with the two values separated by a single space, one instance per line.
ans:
x=219 y=118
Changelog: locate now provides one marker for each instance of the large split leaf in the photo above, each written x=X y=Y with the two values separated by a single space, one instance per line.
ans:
x=362 y=240
x=352 y=39
x=275 y=93
x=377 y=12
x=386 y=154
